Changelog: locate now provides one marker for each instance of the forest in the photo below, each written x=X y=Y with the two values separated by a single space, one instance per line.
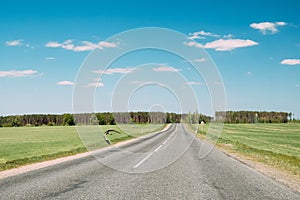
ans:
x=105 y=118
x=108 y=118
x=253 y=117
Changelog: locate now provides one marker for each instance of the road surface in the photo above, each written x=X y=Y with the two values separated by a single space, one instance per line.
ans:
x=162 y=166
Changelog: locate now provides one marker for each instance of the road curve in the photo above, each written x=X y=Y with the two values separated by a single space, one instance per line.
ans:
x=164 y=165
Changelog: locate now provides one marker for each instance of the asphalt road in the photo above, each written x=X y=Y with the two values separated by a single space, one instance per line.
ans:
x=160 y=166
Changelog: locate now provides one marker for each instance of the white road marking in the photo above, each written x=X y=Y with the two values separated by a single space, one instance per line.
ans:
x=169 y=137
x=148 y=156
x=159 y=147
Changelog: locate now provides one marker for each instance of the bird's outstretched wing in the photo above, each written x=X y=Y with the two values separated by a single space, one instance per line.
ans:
x=106 y=139
x=107 y=132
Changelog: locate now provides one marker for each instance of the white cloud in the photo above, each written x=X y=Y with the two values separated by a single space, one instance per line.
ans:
x=50 y=58
x=165 y=69
x=223 y=44
x=249 y=73
x=65 y=83
x=200 y=60
x=281 y=23
x=193 y=44
x=201 y=35
x=68 y=45
x=86 y=45
x=53 y=44
x=115 y=71
x=17 y=73
x=208 y=34
x=193 y=37
x=229 y=44
x=267 y=27
x=14 y=43
x=290 y=62
x=107 y=44
x=96 y=84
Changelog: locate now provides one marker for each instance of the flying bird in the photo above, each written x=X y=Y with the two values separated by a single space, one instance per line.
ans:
x=107 y=132
x=111 y=130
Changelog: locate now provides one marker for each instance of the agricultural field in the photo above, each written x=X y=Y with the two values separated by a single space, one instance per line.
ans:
x=24 y=145
x=277 y=145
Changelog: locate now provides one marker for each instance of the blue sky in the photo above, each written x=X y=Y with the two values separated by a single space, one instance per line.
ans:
x=254 y=44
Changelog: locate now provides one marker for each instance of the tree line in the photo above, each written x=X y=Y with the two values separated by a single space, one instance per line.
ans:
x=253 y=117
x=108 y=118
x=105 y=118
x=35 y=120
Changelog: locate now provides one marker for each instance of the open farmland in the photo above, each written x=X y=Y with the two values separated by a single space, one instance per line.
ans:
x=277 y=145
x=24 y=145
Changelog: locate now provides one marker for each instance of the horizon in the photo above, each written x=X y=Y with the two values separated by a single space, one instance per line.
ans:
x=185 y=113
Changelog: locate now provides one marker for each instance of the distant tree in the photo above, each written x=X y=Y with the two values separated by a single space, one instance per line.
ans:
x=93 y=120
x=101 y=118
x=294 y=117
x=68 y=120
x=51 y=124
x=189 y=118
x=16 y=121
x=290 y=116
x=111 y=119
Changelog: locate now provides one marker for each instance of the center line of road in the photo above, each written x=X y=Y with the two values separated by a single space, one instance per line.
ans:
x=169 y=137
x=150 y=154
x=160 y=146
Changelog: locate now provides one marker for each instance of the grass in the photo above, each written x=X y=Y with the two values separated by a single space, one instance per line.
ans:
x=25 y=145
x=277 y=145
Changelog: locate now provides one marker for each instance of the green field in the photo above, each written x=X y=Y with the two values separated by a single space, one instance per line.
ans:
x=23 y=145
x=277 y=145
